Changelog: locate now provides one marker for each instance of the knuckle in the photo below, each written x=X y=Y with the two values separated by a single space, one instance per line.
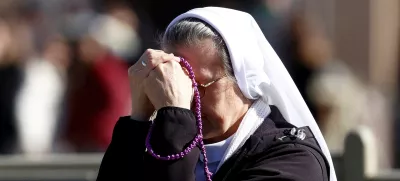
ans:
x=152 y=63
x=149 y=51
x=167 y=64
x=154 y=57
x=132 y=71
x=153 y=73
x=174 y=64
x=165 y=57
x=160 y=67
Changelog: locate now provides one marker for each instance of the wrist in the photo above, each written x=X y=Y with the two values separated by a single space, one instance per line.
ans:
x=141 y=113
x=138 y=116
x=178 y=105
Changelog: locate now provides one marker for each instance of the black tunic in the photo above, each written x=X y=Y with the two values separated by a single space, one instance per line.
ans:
x=271 y=153
x=11 y=78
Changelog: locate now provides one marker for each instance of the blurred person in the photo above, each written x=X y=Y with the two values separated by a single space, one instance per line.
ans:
x=139 y=16
x=274 y=18
x=117 y=30
x=11 y=78
x=247 y=100
x=40 y=99
x=98 y=94
x=342 y=102
x=309 y=48
x=339 y=99
x=282 y=23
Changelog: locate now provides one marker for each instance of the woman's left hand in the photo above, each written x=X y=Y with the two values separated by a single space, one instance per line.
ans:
x=169 y=85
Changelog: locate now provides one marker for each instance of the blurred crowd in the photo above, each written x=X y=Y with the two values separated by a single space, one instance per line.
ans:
x=63 y=68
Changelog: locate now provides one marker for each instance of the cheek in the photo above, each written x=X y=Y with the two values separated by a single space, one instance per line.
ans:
x=196 y=65
x=202 y=72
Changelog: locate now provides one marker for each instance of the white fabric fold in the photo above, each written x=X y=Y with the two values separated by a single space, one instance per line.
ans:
x=258 y=69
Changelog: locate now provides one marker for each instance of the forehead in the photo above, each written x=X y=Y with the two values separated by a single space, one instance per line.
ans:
x=197 y=51
x=203 y=56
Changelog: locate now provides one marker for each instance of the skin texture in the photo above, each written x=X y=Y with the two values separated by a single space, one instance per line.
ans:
x=223 y=105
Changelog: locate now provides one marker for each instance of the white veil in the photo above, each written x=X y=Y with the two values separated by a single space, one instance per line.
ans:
x=258 y=69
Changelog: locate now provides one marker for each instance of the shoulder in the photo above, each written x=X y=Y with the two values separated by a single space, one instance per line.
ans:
x=281 y=157
x=290 y=162
x=291 y=153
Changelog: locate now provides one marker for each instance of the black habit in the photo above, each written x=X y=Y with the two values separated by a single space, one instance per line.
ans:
x=272 y=153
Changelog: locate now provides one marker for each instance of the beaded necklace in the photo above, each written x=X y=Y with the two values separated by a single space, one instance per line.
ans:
x=198 y=139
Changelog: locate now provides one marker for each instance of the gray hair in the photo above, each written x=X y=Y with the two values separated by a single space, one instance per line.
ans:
x=190 y=31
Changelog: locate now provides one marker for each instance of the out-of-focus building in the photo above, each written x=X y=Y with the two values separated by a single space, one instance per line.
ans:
x=365 y=34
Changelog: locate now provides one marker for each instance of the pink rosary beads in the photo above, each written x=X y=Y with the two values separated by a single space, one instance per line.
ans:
x=198 y=140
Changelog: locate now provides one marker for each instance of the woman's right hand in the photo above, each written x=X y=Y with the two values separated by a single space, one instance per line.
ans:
x=142 y=108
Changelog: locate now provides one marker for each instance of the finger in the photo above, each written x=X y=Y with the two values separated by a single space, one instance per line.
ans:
x=138 y=66
x=160 y=58
x=148 y=61
x=147 y=55
x=171 y=65
x=147 y=81
x=132 y=70
x=155 y=58
x=186 y=72
x=176 y=59
x=171 y=57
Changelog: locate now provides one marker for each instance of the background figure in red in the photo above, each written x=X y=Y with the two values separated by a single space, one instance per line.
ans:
x=99 y=86
x=98 y=96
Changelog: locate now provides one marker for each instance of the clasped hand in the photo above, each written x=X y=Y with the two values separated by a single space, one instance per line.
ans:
x=161 y=82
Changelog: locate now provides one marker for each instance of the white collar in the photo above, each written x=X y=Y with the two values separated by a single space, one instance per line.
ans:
x=221 y=151
x=215 y=151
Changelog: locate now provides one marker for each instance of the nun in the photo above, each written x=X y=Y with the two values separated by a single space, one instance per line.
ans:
x=232 y=113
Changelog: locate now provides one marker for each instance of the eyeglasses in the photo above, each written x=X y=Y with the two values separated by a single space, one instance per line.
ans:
x=202 y=87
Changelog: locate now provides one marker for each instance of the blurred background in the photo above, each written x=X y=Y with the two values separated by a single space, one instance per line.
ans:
x=63 y=70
